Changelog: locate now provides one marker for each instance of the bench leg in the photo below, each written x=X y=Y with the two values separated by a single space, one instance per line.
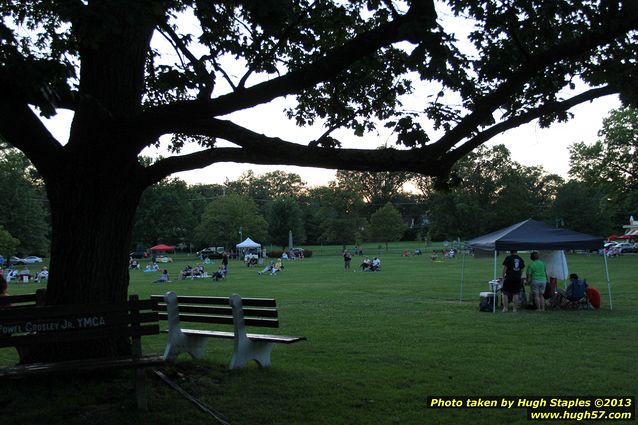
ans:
x=140 y=389
x=247 y=350
x=180 y=343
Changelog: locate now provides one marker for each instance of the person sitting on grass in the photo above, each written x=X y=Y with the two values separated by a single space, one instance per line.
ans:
x=267 y=269
x=187 y=272
x=163 y=277
x=276 y=268
x=366 y=266
x=11 y=274
x=220 y=273
x=376 y=265
x=198 y=271
x=42 y=274
x=25 y=272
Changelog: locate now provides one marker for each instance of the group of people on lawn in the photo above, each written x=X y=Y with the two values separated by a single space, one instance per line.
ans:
x=197 y=272
x=8 y=274
x=12 y=273
x=194 y=272
x=536 y=278
x=513 y=266
x=367 y=265
x=273 y=267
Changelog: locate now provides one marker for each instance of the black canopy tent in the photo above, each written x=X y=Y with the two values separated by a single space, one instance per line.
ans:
x=535 y=235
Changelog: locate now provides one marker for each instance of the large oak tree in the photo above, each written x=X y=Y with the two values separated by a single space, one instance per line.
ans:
x=346 y=65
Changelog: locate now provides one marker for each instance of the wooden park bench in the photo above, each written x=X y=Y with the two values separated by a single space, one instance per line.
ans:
x=24 y=324
x=235 y=311
x=23 y=300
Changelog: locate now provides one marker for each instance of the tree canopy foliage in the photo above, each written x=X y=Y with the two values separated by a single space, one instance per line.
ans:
x=348 y=65
x=24 y=207
x=610 y=165
x=386 y=224
x=165 y=214
x=226 y=217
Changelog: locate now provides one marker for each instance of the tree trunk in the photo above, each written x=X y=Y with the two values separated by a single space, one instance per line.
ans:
x=93 y=202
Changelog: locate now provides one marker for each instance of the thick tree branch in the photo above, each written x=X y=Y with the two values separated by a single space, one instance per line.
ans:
x=22 y=129
x=410 y=27
x=525 y=118
x=484 y=107
x=253 y=147
x=260 y=149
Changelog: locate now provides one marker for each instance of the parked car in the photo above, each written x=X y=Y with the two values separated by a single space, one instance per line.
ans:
x=211 y=252
x=296 y=253
x=32 y=259
x=16 y=260
x=623 y=245
x=632 y=248
x=138 y=254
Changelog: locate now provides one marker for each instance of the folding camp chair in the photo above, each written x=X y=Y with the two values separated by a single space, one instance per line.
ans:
x=575 y=296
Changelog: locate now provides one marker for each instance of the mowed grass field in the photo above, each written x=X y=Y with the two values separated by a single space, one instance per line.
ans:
x=379 y=344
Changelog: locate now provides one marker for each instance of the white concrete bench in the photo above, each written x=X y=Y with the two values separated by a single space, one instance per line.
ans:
x=231 y=311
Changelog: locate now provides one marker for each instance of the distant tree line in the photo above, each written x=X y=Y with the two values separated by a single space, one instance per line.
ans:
x=486 y=190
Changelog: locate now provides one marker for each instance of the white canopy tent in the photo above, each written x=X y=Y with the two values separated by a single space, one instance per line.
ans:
x=247 y=244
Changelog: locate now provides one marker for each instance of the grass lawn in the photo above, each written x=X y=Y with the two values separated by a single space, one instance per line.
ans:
x=379 y=344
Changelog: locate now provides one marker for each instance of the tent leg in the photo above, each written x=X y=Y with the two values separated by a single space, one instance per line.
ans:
x=608 y=280
x=494 y=288
x=462 y=276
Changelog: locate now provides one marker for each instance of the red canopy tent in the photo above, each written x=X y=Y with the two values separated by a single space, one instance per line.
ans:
x=162 y=247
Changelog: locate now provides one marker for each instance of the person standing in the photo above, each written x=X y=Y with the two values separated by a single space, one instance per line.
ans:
x=225 y=262
x=3 y=287
x=346 y=260
x=3 y=290
x=513 y=266
x=537 y=278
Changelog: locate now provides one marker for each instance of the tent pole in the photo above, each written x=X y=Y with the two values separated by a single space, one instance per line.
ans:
x=608 y=280
x=494 y=287
x=462 y=276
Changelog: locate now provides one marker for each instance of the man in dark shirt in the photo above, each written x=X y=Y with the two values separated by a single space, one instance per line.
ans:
x=225 y=263
x=513 y=266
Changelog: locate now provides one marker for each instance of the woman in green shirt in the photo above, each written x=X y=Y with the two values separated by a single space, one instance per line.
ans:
x=537 y=278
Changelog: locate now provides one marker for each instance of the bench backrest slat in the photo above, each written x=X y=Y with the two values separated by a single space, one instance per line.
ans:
x=222 y=311
x=224 y=320
x=250 y=302
x=17 y=299
x=65 y=310
x=63 y=323
x=258 y=312
x=77 y=335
